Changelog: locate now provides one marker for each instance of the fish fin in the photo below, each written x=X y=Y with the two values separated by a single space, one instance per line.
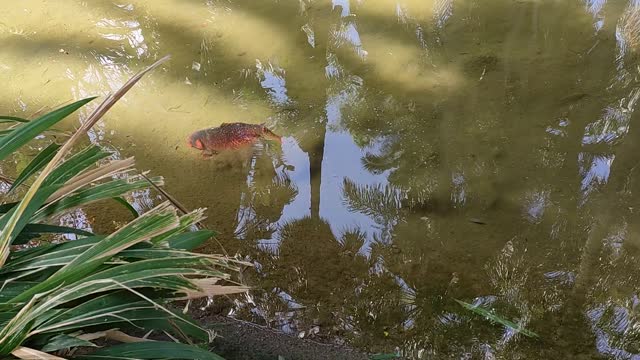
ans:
x=225 y=124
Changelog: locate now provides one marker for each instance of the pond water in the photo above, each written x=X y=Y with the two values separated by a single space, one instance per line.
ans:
x=433 y=151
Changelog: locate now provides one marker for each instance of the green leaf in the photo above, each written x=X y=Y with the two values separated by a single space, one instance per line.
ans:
x=383 y=356
x=27 y=253
x=19 y=258
x=36 y=164
x=159 y=219
x=11 y=231
x=4 y=208
x=108 y=308
x=189 y=240
x=53 y=182
x=10 y=119
x=112 y=309
x=26 y=131
x=495 y=318
x=31 y=231
x=128 y=206
x=7 y=315
x=74 y=165
x=149 y=268
x=102 y=191
x=13 y=289
x=14 y=340
x=55 y=229
x=153 y=253
x=186 y=222
x=152 y=350
x=64 y=341
x=4 y=132
x=58 y=257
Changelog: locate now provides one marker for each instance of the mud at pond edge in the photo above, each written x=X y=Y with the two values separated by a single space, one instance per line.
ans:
x=239 y=340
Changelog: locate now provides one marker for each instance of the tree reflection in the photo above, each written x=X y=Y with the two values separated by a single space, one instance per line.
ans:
x=497 y=168
x=268 y=191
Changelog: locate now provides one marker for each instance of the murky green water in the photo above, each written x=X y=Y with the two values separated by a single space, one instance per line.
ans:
x=485 y=151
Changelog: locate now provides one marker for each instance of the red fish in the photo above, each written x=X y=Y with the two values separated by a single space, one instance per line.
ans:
x=229 y=136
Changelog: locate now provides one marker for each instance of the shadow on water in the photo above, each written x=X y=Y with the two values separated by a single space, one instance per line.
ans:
x=433 y=151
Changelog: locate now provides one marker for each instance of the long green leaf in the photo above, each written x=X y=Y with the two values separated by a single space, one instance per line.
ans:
x=187 y=221
x=18 y=216
x=32 y=231
x=6 y=316
x=384 y=356
x=5 y=132
x=11 y=119
x=107 y=308
x=14 y=339
x=4 y=208
x=48 y=250
x=128 y=273
x=54 y=229
x=64 y=341
x=67 y=170
x=160 y=278
x=495 y=318
x=75 y=165
x=25 y=132
x=152 y=350
x=159 y=219
x=122 y=315
x=103 y=191
x=36 y=164
x=52 y=293
x=112 y=308
x=57 y=257
x=13 y=289
x=13 y=222
x=128 y=206
x=189 y=240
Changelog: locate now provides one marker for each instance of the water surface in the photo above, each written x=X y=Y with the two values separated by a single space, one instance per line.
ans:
x=484 y=151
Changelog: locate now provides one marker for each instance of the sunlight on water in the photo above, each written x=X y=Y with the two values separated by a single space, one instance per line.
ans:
x=431 y=151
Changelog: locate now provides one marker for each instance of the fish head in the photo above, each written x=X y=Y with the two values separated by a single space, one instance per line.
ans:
x=270 y=135
x=195 y=140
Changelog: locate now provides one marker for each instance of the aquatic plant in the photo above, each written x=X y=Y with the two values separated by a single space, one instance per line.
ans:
x=491 y=316
x=100 y=289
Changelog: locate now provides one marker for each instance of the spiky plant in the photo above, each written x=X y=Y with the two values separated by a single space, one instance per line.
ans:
x=57 y=297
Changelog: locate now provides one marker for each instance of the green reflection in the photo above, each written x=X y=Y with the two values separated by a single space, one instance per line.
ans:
x=494 y=146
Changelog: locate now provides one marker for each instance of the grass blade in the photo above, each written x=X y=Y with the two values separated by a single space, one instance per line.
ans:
x=112 y=168
x=64 y=341
x=102 y=191
x=128 y=206
x=158 y=220
x=187 y=221
x=189 y=240
x=495 y=318
x=25 y=132
x=11 y=290
x=152 y=350
x=112 y=309
x=35 y=230
x=36 y=164
x=11 y=119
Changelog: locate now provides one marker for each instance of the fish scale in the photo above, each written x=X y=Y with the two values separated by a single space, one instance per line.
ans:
x=229 y=136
